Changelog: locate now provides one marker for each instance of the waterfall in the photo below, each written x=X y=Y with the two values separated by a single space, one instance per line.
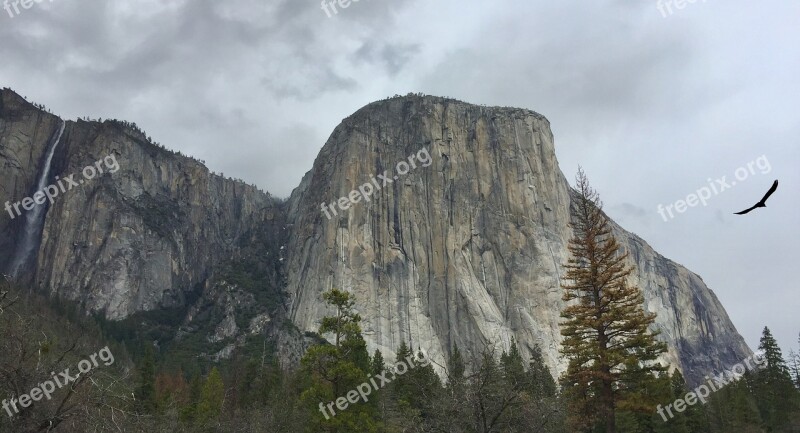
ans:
x=34 y=218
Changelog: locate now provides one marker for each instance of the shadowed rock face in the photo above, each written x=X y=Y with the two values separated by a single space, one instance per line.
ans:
x=142 y=238
x=467 y=250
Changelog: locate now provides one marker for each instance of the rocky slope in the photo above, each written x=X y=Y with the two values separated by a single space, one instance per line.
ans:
x=468 y=251
x=465 y=248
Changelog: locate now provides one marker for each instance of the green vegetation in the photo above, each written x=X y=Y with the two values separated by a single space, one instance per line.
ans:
x=160 y=389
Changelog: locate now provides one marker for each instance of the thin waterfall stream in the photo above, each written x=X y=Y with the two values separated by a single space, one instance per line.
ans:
x=34 y=219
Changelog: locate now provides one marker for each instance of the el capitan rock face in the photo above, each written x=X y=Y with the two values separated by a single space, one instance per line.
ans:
x=468 y=251
x=465 y=251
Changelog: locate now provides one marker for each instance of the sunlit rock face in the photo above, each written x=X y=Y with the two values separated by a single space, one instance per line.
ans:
x=467 y=251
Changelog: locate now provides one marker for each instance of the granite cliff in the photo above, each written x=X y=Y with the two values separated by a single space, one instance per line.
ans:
x=466 y=250
x=160 y=234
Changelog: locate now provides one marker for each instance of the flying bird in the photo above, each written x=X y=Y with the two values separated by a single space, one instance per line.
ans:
x=763 y=202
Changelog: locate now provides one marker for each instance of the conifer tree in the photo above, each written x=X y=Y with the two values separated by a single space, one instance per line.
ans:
x=146 y=391
x=403 y=389
x=212 y=396
x=542 y=383
x=513 y=367
x=775 y=392
x=733 y=408
x=378 y=365
x=455 y=367
x=490 y=395
x=413 y=388
x=451 y=409
x=332 y=370
x=605 y=327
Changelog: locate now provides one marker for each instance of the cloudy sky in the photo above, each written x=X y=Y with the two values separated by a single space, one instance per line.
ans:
x=654 y=106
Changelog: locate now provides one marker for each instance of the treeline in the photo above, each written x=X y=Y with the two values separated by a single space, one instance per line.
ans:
x=505 y=393
x=149 y=140
x=252 y=393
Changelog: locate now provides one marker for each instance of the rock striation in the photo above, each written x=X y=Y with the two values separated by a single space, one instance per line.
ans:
x=136 y=240
x=468 y=251
x=465 y=249
x=156 y=235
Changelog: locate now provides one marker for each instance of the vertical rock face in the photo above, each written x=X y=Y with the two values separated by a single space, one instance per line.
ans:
x=143 y=237
x=24 y=136
x=468 y=251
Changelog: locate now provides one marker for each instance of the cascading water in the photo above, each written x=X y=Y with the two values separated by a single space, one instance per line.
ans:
x=34 y=219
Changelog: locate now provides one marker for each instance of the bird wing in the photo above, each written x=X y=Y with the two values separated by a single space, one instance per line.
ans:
x=745 y=211
x=769 y=193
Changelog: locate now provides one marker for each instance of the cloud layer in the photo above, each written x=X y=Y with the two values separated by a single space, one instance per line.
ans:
x=650 y=106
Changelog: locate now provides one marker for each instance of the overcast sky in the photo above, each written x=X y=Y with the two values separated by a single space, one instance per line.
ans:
x=651 y=106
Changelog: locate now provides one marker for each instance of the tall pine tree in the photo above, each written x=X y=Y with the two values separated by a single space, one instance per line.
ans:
x=605 y=326
x=775 y=391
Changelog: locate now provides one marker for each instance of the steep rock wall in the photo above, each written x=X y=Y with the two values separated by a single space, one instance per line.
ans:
x=468 y=251
x=144 y=237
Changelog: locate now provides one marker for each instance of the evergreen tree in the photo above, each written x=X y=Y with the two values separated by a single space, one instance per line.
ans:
x=414 y=388
x=452 y=407
x=455 y=367
x=212 y=397
x=733 y=408
x=775 y=391
x=189 y=412
x=333 y=370
x=794 y=365
x=378 y=365
x=643 y=391
x=403 y=388
x=605 y=327
x=541 y=381
x=513 y=367
x=427 y=382
x=146 y=389
x=679 y=423
x=693 y=419
x=491 y=396
x=345 y=328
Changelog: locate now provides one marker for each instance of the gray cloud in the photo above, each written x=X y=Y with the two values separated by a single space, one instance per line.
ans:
x=650 y=106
